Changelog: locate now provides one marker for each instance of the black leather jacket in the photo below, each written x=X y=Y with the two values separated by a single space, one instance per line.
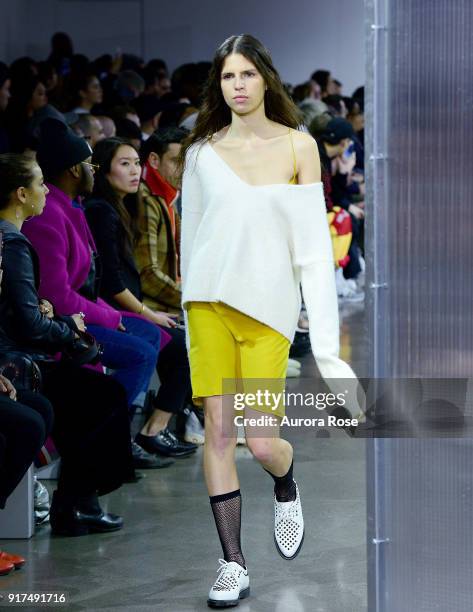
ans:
x=22 y=327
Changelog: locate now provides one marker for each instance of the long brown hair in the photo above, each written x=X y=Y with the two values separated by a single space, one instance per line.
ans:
x=103 y=155
x=215 y=114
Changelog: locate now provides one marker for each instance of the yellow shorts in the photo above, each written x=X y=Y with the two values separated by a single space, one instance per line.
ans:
x=231 y=353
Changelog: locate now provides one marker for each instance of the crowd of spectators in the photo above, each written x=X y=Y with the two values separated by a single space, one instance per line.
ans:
x=95 y=143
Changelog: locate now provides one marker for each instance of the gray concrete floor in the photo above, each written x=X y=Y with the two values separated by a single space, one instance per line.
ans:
x=166 y=556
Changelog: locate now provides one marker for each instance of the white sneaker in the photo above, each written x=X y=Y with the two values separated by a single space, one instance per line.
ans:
x=293 y=363
x=292 y=372
x=232 y=584
x=288 y=527
x=194 y=433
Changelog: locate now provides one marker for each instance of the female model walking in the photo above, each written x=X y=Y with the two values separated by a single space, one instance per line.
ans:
x=254 y=228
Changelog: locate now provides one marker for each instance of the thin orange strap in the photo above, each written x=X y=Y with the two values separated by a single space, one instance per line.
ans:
x=293 y=179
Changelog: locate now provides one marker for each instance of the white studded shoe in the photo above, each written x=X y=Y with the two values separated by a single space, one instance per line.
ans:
x=232 y=584
x=288 y=527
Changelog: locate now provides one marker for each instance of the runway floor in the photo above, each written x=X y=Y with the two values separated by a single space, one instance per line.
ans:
x=165 y=558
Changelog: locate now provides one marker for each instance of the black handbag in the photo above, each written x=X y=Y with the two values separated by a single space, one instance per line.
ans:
x=83 y=350
x=21 y=371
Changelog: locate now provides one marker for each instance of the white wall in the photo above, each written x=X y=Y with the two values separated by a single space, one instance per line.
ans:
x=302 y=36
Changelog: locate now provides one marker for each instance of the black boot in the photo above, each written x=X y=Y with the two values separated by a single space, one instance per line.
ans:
x=77 y=516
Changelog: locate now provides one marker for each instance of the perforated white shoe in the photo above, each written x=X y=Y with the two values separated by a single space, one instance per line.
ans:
x=232 y=584
x=288 y=527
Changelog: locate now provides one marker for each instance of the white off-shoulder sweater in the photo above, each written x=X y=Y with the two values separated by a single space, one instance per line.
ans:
x=252 y=247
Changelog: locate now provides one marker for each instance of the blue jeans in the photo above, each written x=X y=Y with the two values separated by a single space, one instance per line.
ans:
x=132 y=354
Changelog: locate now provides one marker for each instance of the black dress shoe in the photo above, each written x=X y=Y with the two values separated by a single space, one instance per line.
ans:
x=182 y=443
x=148 y=461
x=80 y=516
x=164 y=443
x=300 y=346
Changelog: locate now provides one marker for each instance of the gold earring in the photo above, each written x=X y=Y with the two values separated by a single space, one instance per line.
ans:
x=17 y=214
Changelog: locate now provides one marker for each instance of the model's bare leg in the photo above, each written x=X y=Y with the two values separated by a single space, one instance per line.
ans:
x=219 y=448
x=274 y=453
x=221 y=476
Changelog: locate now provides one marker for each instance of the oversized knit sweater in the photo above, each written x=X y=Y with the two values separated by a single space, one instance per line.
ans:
x=252 y=247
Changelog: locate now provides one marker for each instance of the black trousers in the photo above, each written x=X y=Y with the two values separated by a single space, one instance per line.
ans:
x=91 y=429
x=24 y=427
x=174 y=374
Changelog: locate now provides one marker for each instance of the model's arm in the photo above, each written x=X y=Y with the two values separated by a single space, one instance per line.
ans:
x=191 y=212
x=314 y=254
x=308 y=160
x=191 y=218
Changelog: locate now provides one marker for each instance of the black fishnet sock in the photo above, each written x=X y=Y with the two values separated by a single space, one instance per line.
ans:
x=226 y=509
x=284 y=486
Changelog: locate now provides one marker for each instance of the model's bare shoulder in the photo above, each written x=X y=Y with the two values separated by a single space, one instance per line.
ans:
x=303 y=141
x=307 y=155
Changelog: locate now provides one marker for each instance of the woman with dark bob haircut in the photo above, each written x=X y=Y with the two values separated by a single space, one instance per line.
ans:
x=110 y=215
x=91 y=428
x=254 y=228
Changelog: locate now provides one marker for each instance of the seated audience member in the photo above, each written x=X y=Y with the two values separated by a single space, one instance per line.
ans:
x=23 y=68
x=174 y=113
x=48 y=75
x=149 y=109
x=336 y=106
x=307 y=98
x=324 y=80
x=4 y=98
x=28 y=96
x=25 y=422
x=158 y=223
x=108 y=126
x=122 y=88
x=91 y=427
x=116 y=182
x=125 y=111
x=62 y=51
x=79 y=65
x=157 y=81
x=356 y=118
x=129 y=131
x=188 y=82
x=91 y=128
x=337 y=87
x=337 y=164
x=86 y=93
x=71 y=269
x=301 y=92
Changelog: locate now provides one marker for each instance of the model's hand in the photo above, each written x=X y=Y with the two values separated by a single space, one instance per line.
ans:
x=356 y=211
x=7 y=388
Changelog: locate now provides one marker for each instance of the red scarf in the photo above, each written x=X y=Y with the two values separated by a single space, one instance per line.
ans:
x=161 y=188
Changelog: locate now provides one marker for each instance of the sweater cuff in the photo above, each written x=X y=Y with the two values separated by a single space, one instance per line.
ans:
x=320 y=297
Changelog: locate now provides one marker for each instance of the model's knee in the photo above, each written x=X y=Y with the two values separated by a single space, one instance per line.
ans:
x=262 y=449
x=218 y=436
